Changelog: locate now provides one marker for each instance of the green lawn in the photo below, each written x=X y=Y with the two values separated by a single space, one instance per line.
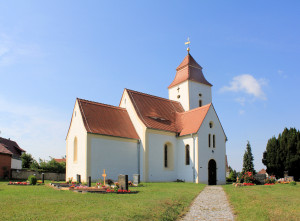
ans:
x=155 y=201
x=277 y=202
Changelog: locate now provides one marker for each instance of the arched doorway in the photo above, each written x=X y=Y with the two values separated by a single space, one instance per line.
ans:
x=212 y=172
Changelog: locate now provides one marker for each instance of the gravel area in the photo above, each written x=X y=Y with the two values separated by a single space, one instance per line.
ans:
x=210 y=204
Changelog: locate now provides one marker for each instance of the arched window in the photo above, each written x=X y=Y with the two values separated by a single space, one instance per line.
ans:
x=200 y=103
x=166 y=156
x=209 y=140
x=214 y=141
x=211 y=124
x=187 y=154
x=75 y=150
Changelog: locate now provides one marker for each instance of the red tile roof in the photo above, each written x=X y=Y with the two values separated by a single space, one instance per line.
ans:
x=155 y=112
x=12 y=146
x=106 y=119
x=60 y=160
x=189 y=69
x=163 y=114
x=190 y=121
x=4 y=150
x=262 y=171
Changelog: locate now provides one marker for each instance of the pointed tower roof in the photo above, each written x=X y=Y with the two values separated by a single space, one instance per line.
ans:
x=189 y=69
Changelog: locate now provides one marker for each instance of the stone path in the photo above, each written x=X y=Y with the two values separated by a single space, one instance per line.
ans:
x=210 y=204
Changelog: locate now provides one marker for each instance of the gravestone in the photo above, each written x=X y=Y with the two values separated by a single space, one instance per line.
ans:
x=289 y=178
x=78 y=178
x=260 y=178
x=136 y=179
x=90 y=181
x=123 y=181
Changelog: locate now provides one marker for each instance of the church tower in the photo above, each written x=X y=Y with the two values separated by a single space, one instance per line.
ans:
x=189 y=86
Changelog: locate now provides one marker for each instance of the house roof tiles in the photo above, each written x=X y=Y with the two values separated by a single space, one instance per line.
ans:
x=11 y=145
x=189 y=69
x=106 y=119
x=155 y=112
x=4 y=150
x=163 y=114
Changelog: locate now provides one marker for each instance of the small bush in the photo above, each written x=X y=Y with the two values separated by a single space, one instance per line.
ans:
x=293 y=183
x=32 y=179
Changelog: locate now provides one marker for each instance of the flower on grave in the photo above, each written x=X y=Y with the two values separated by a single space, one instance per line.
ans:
x=248 y=177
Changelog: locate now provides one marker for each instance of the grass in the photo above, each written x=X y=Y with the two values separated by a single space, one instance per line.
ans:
x=277 y=202
x=155 y=201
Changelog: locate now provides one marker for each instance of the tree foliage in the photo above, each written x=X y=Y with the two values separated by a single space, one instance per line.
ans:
x=52 y=166
x=248 y=165
x=26 y=160
x=43 y=165
x=283 y=154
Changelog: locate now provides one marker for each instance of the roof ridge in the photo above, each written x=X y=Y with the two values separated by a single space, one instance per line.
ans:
x=101 y=104
x=150 y=95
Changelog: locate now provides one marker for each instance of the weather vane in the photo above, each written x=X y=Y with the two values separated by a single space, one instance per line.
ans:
x=188 y=44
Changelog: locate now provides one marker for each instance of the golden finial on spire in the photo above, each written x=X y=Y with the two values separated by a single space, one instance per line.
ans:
x=188 y=44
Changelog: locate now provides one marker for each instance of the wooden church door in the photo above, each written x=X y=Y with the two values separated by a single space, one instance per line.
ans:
x=212 y=172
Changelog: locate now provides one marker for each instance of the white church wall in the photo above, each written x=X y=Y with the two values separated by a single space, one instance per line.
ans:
x=183 y=93
x=115 y=155
x=157 y=171
x=185 y=172
x=205 y=152
x=196 y=89
x=77 y=130
x=140 y=129
x=16 y=164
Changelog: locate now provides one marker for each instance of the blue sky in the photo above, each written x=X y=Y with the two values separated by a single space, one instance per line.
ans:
x=52 y=52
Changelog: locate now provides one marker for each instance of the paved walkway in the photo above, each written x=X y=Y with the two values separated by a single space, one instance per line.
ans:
x=210 y=204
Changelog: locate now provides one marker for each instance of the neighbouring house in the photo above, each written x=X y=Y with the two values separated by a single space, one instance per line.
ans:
x=63 y=160
x=5 y=161
x=161 y=139
x=10 y=155
x=263 y=171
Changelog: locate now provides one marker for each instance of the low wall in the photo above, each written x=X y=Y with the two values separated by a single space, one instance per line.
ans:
x=24 y=174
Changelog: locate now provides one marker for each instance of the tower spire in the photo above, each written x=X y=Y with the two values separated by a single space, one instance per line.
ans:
x=188 y=44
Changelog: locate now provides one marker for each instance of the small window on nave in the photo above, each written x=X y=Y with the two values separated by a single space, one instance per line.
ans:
x=187 y=154
x=200 y=103
x=166 y=156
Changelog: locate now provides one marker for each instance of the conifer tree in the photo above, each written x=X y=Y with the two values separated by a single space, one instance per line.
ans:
x=248 y=165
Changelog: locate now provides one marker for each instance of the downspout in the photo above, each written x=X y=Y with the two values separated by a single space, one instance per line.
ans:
x=194 y=152
x=138 y=156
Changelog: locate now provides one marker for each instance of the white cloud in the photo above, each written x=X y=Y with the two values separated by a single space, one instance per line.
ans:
x=12 y=51
x=241 y=112
x=40 y=131
x=246 y=83
x=282 y=74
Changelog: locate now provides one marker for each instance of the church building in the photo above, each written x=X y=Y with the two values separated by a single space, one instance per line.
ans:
x=161 y=139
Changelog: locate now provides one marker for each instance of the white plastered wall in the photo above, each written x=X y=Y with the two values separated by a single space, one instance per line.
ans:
x=77 y=129
x=186 y=172
x=115 y=155
x=183 y=92
x=16 y=164
x=189 y=94
x=156 y=141
x=195 y=89
x=140 y=128
x=205 y=152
